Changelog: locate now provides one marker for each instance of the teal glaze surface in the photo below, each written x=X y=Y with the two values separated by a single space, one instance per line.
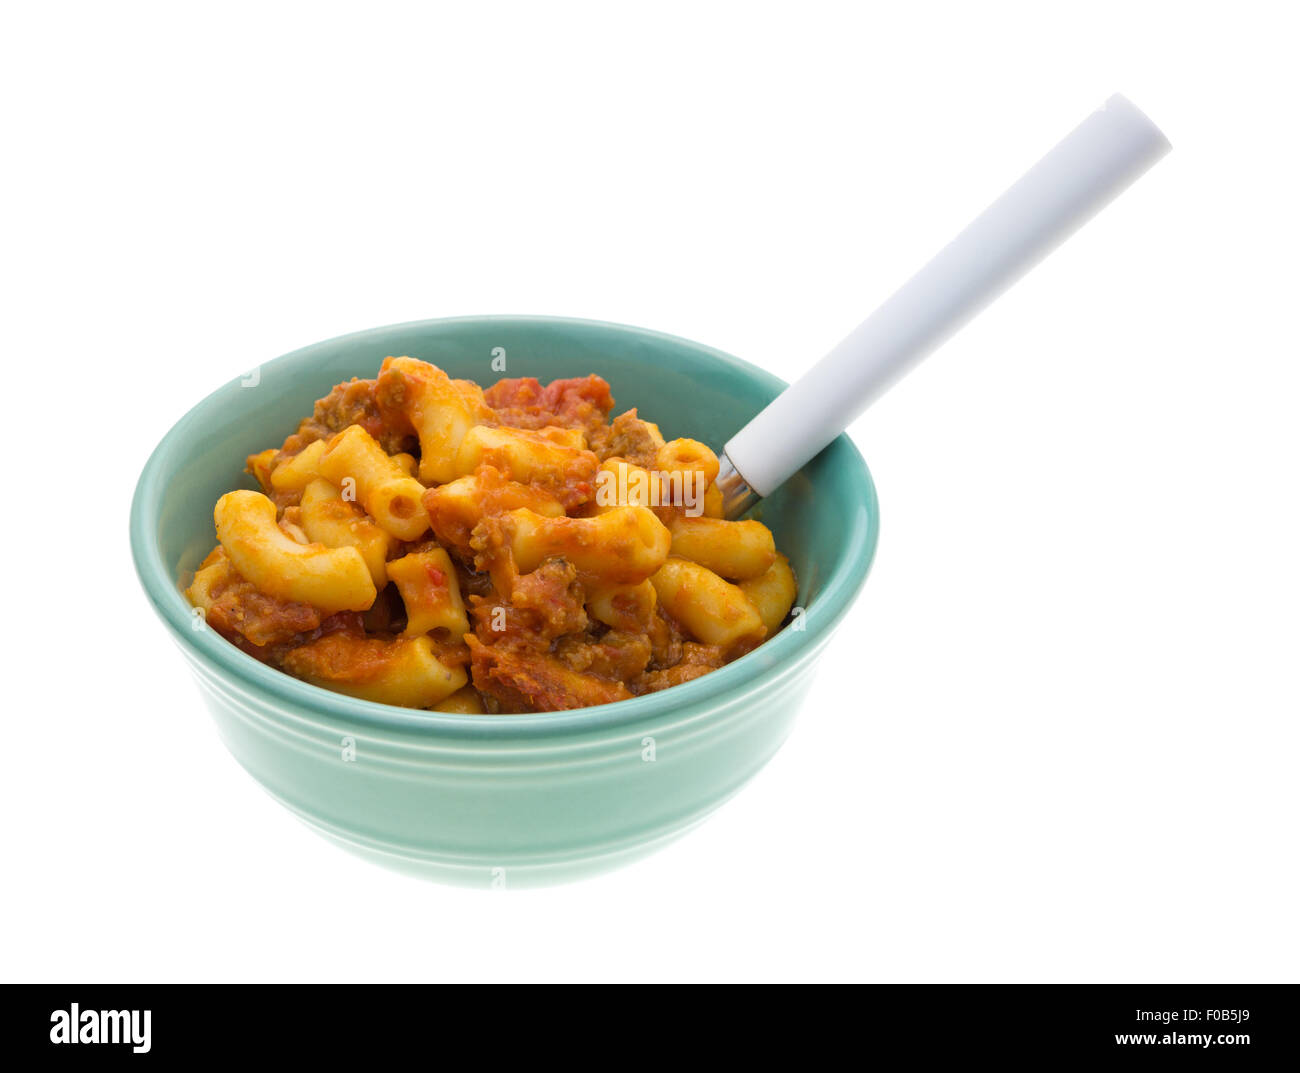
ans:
x=511 y=800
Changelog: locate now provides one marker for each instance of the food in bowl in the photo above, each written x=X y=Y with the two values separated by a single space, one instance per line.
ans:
x=422 y=542
x=534 y=798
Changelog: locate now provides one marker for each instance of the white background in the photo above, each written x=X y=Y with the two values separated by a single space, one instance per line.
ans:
x=1056 y=738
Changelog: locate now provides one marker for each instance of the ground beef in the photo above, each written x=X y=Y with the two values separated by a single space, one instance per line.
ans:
x=354 y=403
x=627 y=437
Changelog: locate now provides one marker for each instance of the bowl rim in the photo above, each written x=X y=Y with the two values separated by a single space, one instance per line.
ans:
x=779 y=654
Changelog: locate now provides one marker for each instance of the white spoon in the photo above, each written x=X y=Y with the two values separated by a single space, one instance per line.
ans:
x=1098 y=159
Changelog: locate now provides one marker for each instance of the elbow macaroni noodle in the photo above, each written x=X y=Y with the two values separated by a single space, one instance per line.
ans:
x=422 y=542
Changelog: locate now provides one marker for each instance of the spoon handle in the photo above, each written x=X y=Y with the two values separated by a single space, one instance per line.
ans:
x=1098 y=159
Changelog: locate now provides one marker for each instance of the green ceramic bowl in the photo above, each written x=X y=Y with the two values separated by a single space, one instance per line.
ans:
x=520 y=799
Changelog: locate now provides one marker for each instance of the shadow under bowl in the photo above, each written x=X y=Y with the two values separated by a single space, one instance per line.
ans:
x=511 y=800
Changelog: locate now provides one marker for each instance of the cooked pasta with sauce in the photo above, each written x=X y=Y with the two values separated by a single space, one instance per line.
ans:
x=422 y=542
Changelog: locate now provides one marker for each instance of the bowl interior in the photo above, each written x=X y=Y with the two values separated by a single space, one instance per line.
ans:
x=824 y=518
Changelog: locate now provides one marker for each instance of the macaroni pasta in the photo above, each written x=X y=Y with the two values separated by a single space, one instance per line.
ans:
x=422 y=542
